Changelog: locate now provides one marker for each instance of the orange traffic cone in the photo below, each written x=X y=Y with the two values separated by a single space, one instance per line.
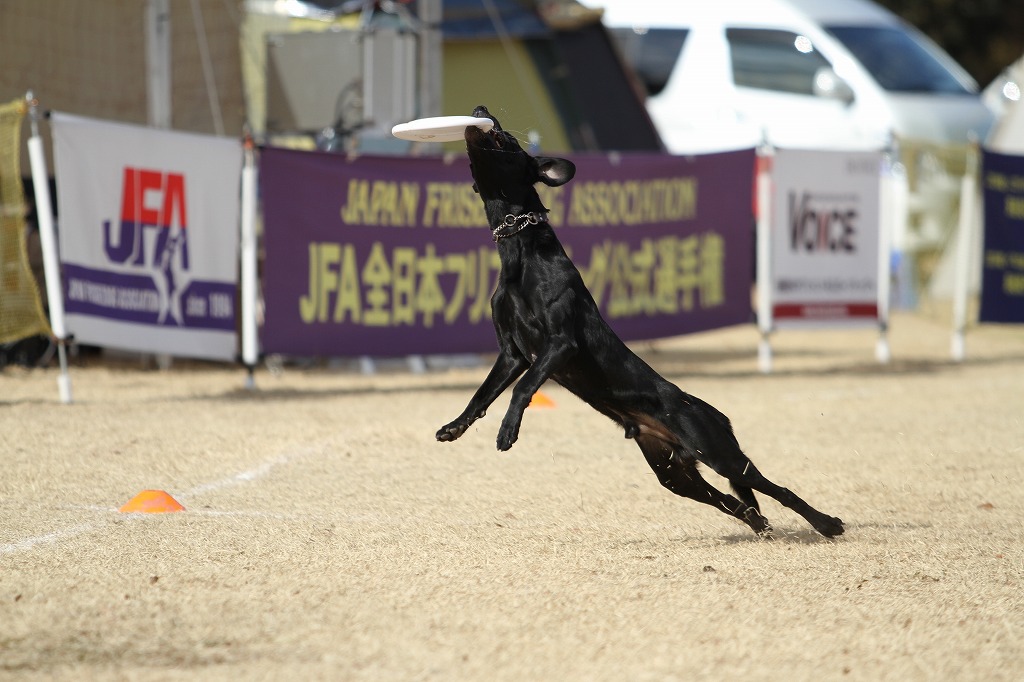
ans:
x=152 y=502
x=541 y=400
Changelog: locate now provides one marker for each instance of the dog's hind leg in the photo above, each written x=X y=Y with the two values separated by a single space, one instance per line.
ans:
x=745 y=494
x=679 y=474
x=742 y=473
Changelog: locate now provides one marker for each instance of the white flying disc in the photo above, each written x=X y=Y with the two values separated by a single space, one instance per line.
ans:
x=439 y=128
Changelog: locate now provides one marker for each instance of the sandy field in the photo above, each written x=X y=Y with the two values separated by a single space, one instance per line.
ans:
x=327 y=535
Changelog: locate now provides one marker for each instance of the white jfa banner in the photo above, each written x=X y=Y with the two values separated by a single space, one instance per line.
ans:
x=148 y=236
x=825 y=237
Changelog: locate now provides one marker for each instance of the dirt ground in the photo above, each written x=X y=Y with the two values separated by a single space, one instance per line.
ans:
x=326 y=535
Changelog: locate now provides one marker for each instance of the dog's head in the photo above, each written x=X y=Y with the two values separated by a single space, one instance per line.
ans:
x=503 y=173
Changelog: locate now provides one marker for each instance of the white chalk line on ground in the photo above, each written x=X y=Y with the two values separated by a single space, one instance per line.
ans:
x=241 y=478
x=239 y=513
x=390 y=520
x=47 y=539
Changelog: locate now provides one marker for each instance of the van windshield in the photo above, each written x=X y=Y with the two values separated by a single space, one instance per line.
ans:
x=652 y=52
x=897 y=61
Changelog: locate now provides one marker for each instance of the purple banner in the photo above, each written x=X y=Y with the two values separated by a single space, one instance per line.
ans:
x=391 y=256
x=1002 y=278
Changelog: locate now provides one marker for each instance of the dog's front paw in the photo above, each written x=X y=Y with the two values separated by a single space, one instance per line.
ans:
x=507 y=435
x=452 y=431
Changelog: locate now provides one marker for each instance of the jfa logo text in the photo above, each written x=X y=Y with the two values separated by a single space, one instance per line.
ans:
x=152 y=235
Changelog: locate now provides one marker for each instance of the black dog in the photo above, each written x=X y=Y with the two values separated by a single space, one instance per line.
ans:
x=549 y=327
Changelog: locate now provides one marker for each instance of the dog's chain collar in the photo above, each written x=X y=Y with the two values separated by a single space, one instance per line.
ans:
x=513 y=224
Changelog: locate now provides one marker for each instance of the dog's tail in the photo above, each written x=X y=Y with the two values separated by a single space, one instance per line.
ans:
x=745 y=495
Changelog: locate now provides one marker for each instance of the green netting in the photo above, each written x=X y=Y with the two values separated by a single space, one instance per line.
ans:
x=21 y=310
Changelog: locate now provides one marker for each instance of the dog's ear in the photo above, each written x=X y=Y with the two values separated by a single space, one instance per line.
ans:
x=554 y=172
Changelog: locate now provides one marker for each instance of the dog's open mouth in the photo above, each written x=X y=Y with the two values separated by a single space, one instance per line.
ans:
x=495 y=138
x=491 y=139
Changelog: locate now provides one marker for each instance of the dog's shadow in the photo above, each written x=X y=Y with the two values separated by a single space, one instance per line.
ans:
x=808 y=536
x=804 y=536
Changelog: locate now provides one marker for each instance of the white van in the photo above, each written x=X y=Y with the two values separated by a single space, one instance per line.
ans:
x=828 y=74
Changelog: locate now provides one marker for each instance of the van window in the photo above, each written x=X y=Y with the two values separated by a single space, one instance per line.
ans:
x=652 y=52
x=773 y=60
x=897 y=61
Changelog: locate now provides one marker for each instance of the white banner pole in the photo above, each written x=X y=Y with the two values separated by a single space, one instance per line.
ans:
x=249 y=294
x=965 y=233
x=886 y=219
x=48 y=241
x=764 y=258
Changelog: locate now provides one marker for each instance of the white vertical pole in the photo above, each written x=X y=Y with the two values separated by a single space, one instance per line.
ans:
x=764 y=258
x=158 y=84
x=886 y=218
x=431 y=57
x=964 y=239
x=249 y=294
x=208 y=76
x=370 y=79
x=158 y=62
x=48 y=241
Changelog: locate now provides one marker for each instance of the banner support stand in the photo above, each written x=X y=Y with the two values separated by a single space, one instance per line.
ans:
x=964 y=238
x=887 y=216
x=48 y=241
x=249 y=258
x=764 y=258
